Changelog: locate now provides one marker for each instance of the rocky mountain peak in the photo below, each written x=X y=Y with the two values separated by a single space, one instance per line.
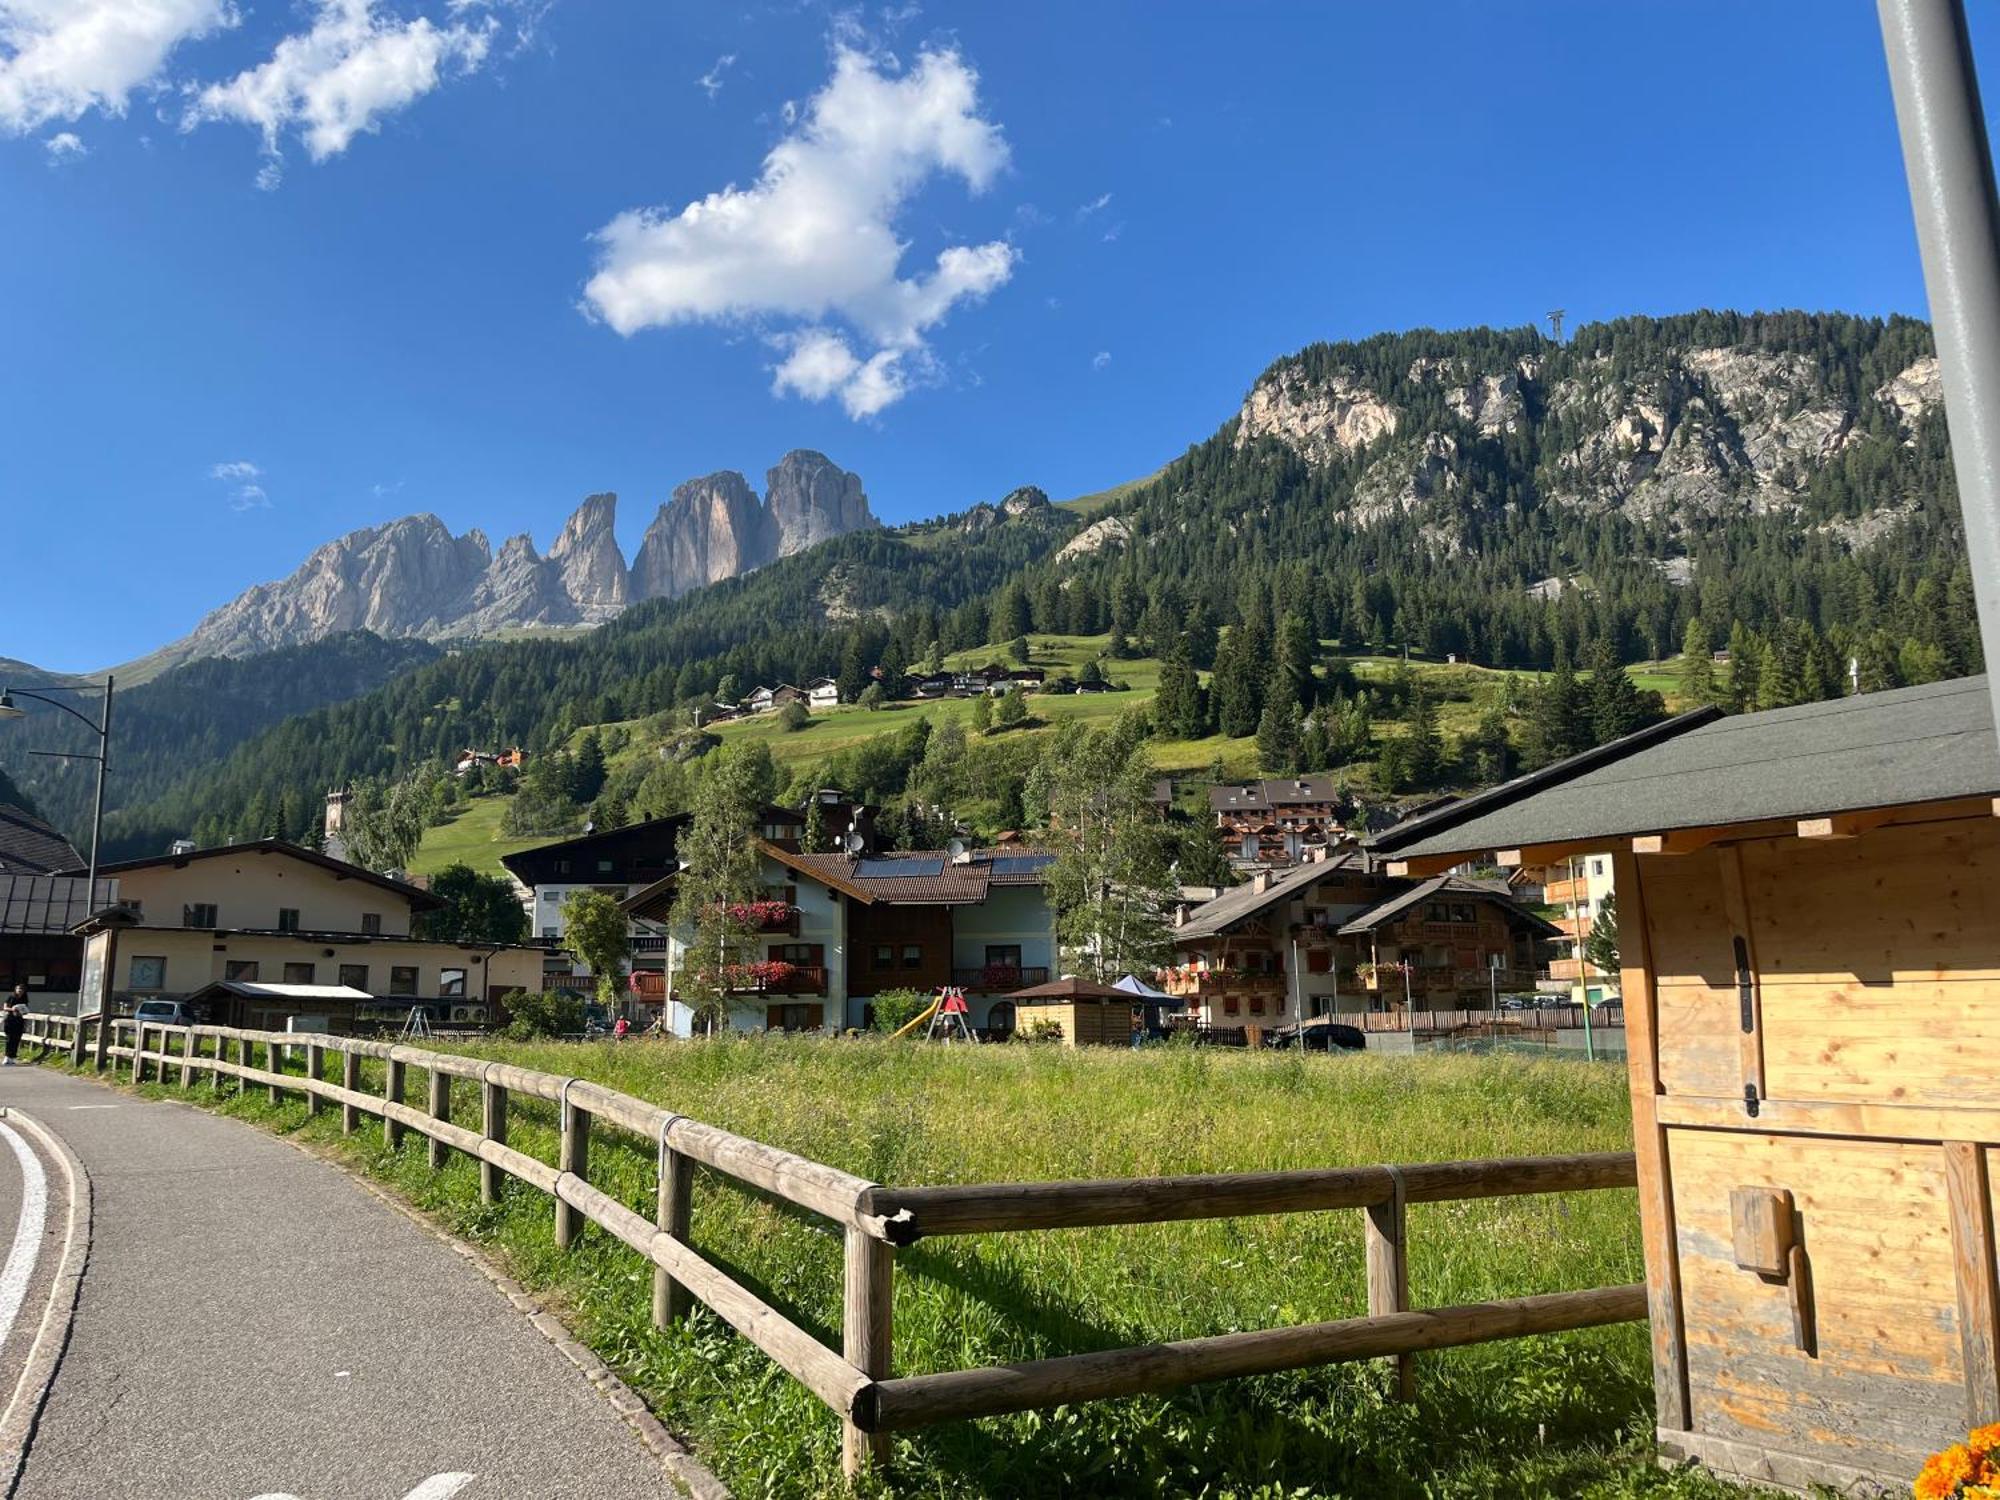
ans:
x=589 y=562
x=809 y=498
x=1321 y=420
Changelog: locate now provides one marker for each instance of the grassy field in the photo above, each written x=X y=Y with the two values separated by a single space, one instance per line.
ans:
x=1564 y=1416
x=472 y=837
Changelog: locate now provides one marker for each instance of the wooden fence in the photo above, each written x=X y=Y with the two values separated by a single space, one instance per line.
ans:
x=857 y=1381
x=1533 y=1018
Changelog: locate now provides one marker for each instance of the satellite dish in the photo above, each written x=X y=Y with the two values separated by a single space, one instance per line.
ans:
x=956 y=849
x=854 y=843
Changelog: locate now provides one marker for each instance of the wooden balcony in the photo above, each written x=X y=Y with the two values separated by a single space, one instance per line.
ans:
x=1205 y=985
x=803 y=979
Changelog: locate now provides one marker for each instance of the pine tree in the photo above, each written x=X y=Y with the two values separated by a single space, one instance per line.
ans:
x=1746 y=664
x=1697 y=666
x=587 y=771
x=1278 y=737
x=1177 y=701
x=1424 y=745
x=1558 y=718
x=1616 y=709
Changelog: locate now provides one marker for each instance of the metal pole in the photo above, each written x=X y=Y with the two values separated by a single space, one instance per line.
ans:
x=97 y=805
x=1950 y=169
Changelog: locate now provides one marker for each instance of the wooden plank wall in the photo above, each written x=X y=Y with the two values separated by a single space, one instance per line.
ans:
x=1869 y=1037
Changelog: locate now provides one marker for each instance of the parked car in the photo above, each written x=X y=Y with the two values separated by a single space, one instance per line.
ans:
x=1322 y=1036
x=166 y=1013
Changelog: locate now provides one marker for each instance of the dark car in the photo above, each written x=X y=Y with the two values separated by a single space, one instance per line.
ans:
x=1323 y=1036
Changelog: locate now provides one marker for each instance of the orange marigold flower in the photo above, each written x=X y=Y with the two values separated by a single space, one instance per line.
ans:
x=1944 y=1473
x=1986 y=1438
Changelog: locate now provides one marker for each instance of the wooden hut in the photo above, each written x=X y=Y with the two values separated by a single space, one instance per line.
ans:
x=1809 y=927
x=1090 y=1014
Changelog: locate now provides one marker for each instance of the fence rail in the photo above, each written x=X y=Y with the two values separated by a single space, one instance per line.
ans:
x=1532 y=1018
x=857 y=1381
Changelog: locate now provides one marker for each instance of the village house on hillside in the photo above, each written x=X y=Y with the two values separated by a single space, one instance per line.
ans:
x=839 y=929
x=621 y=862
x=1272 y=824
x=764 y=700
x=1334 y=934
x=270 y=912
x=502 y=760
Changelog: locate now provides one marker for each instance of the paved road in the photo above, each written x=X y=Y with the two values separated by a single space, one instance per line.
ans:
x=253 y=1323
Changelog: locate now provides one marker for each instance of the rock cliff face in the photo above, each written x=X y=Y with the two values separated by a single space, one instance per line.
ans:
x=412 y=577
x=716 y=527
x=1680 y=435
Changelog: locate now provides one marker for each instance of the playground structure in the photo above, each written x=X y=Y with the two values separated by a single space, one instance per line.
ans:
x=943 y=1020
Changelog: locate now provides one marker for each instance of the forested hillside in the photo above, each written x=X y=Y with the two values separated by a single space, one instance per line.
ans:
x=181 y=724
x=1776 y=483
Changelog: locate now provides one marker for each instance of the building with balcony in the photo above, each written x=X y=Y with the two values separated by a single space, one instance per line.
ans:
x=1577 y=889
x=844 y=928
x=1337 y=935
x=270 y=912
x=1271 y=825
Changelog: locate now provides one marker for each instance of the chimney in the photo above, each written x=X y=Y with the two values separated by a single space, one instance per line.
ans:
x=1261 y=881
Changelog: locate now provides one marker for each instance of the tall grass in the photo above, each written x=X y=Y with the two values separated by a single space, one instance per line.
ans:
x=1564 y=1415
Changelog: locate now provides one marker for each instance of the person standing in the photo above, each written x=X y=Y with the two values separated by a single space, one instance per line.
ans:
x=15 y=1023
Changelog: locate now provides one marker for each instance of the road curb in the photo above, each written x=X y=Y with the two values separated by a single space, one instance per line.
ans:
x=687 y=1472
x=45 y=1355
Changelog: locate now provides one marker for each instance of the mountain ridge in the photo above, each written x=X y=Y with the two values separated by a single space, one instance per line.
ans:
x=412 y=577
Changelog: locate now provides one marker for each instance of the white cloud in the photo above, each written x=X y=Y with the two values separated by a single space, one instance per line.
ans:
x=241 y=476
x=1085 y=210
x=813 y=241
x=64 y=145
x=1101 y=359
x=711 y=81
x=61 y=58
x=340 y=78
x=1111 y=234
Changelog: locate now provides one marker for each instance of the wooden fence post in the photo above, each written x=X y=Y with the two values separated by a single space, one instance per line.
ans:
x=350 y=1079
x=139 y=1053
x=573 y=1158
x=247 y=1058
x=104 y=1029
x=187 y=1058
x=274 y=1059
x=315 y=1070
x=1389 y=1271
x=676 y=1200
x=440 y=1102
x=76 y=1037
x=866 y=1333
x=392 y=1091
x=493 y=1125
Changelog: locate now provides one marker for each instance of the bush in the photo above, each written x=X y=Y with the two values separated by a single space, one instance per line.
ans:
x=1040 y=1030
x=794 y=716
x=895 y=1009
x=548 y=1013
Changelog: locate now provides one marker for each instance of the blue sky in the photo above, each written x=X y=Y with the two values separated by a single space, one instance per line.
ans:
x=406 y=256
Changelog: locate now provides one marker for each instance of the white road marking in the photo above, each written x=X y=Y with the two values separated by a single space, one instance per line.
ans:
x=92 y=1106
x=20 y=1267
x=437 y=1487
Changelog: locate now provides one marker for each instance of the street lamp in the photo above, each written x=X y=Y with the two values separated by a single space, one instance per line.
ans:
x=101 y=727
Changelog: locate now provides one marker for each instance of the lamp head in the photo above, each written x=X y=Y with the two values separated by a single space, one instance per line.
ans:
x=8 y=708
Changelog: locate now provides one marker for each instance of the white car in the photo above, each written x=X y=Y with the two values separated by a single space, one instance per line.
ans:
x=164 y=1013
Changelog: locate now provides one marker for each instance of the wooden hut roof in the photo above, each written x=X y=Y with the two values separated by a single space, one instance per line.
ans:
x=1446 y=885
x=1241 y=902
x=1057 y=990
x=1910 y=746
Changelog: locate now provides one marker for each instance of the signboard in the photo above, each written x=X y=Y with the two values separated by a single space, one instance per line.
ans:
x=94 y=989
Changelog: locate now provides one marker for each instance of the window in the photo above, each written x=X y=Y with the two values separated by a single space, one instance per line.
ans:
x=451 y=984
x=148 y=973
x=562 y=867
x=354 y=976
x=913 y=956
x=403 y=980
x=371 y=923
x=604 y=867
x=241 y=970
x=1231 y=1005
x=1003 y=955
x=299 y=973
x=198 y=914
x=288 y=919
x=549 y=931
x=885 y=956
x=1256 y=1005
x=1597 y=867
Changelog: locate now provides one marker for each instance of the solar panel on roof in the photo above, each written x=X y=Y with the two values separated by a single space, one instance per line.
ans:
x=898 y=869
x=1022 y=864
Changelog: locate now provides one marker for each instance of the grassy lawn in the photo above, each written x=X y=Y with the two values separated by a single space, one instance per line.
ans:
x=1562 y=1416
x=472 y=837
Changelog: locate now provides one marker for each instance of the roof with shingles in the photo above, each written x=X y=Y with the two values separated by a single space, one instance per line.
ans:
x=1440 y=885
x=1932 y=743
x=1262 y=796
x=29 y=846
x=1245 y=901
x=340 y=869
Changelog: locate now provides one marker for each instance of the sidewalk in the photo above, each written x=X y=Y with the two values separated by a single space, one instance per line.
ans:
x=254 y=1323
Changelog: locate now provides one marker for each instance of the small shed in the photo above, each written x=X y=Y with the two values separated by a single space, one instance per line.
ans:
x=1809 y=929
x=1090 y=1014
